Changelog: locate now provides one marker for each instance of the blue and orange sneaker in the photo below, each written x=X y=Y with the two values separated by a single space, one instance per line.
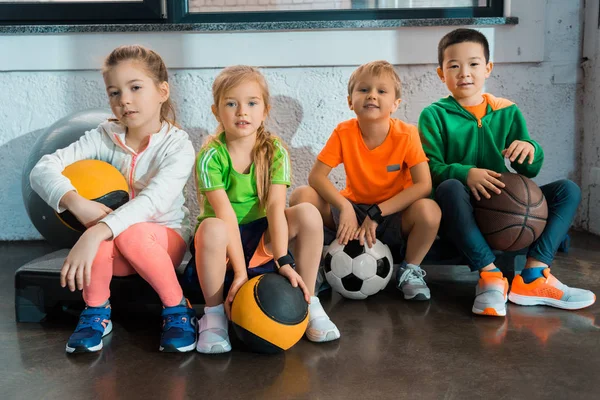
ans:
x=549 y=291
x=178 y=329
x=490 y=295
x=94 y=324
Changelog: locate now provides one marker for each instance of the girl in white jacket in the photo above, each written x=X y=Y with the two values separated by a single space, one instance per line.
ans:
x=149 y=234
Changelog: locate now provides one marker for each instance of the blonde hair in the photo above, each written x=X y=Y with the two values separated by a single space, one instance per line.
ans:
x=376 y=68
x=264 y=147
x=154 y=66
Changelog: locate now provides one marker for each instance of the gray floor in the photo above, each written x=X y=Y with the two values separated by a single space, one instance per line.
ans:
x=390 y=349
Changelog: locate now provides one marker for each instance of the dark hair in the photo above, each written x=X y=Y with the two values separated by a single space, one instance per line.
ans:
x=153 y=64
x=460 y=36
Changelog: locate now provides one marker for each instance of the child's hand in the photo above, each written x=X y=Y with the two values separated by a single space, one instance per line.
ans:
x=348 y=227
x=89 y=212
x=519 y=148
x=481 y=180
x=295 y=279
x=367 y=229
x=238 y=281
x=77 y=268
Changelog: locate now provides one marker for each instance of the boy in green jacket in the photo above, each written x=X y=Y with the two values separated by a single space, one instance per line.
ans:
x=467 y=136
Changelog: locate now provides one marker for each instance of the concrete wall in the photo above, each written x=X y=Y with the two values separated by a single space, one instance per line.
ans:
x=308 y=102
x=590 y=167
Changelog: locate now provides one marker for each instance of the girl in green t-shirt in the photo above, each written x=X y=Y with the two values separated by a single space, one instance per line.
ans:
x=244 y=228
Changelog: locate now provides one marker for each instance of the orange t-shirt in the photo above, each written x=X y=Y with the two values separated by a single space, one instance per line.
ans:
x=373 y=176
x=479 y=110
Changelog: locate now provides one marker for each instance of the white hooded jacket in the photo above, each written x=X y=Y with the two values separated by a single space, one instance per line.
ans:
x=156 y=175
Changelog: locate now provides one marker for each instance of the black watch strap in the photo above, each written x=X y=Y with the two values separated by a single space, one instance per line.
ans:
x=374 y=212
x=285 y=260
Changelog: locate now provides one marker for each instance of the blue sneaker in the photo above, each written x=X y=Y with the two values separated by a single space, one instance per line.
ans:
x=179 y=329
x=94 y=324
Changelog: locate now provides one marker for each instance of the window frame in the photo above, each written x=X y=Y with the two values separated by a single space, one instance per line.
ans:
x=177 y=12
x=82 y=13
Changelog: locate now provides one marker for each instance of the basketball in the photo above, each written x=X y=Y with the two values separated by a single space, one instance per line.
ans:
x=515 y=218
x=269 y=315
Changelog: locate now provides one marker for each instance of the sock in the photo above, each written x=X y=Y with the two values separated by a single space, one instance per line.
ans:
x=220 y=309
x=491 y=270
x=317 y=318
x=531 y=274
x=103 y=305
x=320 y=328
x=183 y=302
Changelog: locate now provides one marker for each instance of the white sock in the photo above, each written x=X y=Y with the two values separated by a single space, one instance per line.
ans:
x=220 y=309
x=320 y=328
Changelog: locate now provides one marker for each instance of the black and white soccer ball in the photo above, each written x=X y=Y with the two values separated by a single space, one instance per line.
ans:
x=356 y=271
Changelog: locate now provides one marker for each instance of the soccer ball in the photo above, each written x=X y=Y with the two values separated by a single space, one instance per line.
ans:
x=356 y=271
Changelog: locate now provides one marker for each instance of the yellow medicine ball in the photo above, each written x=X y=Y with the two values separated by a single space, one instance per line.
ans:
x=98 y=181
x=269 y=315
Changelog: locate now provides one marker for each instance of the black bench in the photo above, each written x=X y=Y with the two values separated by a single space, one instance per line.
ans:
x=38 y=292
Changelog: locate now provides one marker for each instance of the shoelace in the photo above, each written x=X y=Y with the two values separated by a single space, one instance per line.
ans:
x=413 y=275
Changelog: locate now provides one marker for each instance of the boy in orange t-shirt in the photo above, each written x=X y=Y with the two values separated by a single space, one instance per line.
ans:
x=387 y=177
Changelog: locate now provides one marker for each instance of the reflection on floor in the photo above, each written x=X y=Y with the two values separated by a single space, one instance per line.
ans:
x=389 y=348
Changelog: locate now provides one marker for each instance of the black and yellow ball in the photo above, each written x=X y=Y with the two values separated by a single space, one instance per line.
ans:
x=58 y=136
x=98 y=181
x=269 y=315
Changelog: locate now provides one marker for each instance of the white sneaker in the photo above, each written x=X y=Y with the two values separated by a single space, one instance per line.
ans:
x=410 y=282
x=320 y=328
x=213 y=336
x=490 y=294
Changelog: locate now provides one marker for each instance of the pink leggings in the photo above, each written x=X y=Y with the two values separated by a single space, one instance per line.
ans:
x=148 y=249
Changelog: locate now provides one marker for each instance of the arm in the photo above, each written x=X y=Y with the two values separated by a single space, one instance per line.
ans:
x=160 y=194
x=318 y=180
x=46 y=177
x=278 y=230
x=348 y=225
x=433 y=143
x=278 y=226
x=518 y=132
x=421 y=188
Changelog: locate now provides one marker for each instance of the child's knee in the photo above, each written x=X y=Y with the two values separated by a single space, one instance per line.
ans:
x=213 y=229
x=308 y=216
x=428 y=212
x=450 y=189
x=303 y=194
x=571 y=190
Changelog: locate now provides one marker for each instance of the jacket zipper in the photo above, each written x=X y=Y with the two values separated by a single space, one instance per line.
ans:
x=479 y=129
x=134 y=157
x=131 y=168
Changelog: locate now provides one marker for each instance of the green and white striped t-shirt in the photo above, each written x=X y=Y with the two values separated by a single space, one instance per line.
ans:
x=215 y=171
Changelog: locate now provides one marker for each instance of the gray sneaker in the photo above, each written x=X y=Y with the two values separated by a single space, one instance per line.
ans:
x=409 y=280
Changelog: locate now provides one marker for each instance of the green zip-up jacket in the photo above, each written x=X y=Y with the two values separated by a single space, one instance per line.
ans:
x=455 y=141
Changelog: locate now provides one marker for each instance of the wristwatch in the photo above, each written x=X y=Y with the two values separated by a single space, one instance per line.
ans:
x=285 y=260
x=374 y=212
